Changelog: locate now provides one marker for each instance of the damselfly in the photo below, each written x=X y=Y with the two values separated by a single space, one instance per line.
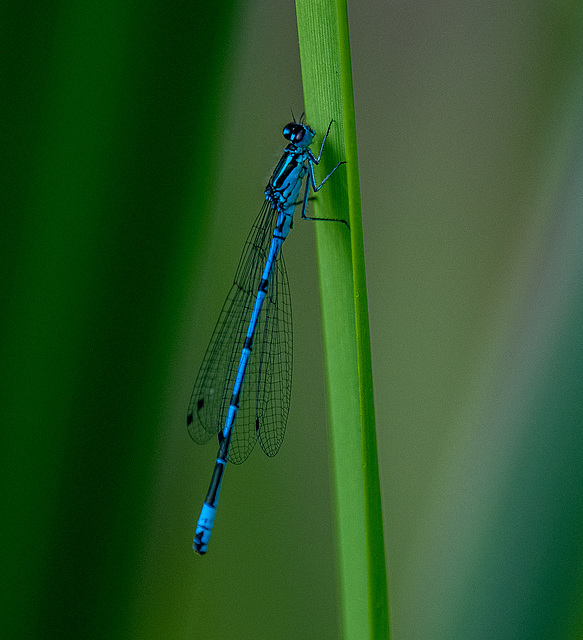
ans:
x=252 y=340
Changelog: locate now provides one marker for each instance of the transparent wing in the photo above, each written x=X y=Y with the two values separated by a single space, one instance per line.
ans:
x=211 y=395
x=265 y=397
x=275 y=369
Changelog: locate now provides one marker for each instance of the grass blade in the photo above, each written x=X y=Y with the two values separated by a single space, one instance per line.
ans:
x=327 y=80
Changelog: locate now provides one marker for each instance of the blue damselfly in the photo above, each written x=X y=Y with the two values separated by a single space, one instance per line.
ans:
x=246 y=372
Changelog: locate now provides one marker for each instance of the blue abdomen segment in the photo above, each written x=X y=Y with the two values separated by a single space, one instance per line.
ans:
x=204 y=528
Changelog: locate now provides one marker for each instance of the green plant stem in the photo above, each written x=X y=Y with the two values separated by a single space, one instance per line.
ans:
x=328 y=93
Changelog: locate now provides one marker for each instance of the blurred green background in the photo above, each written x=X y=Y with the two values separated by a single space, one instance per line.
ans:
x=136 y=142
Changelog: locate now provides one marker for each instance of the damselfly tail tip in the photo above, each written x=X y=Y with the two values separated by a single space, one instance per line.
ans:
x=198 y=545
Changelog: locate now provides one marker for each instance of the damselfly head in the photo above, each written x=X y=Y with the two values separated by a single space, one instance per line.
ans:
x=299 y=134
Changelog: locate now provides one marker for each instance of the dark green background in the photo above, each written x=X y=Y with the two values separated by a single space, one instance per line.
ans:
x=136 y=141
